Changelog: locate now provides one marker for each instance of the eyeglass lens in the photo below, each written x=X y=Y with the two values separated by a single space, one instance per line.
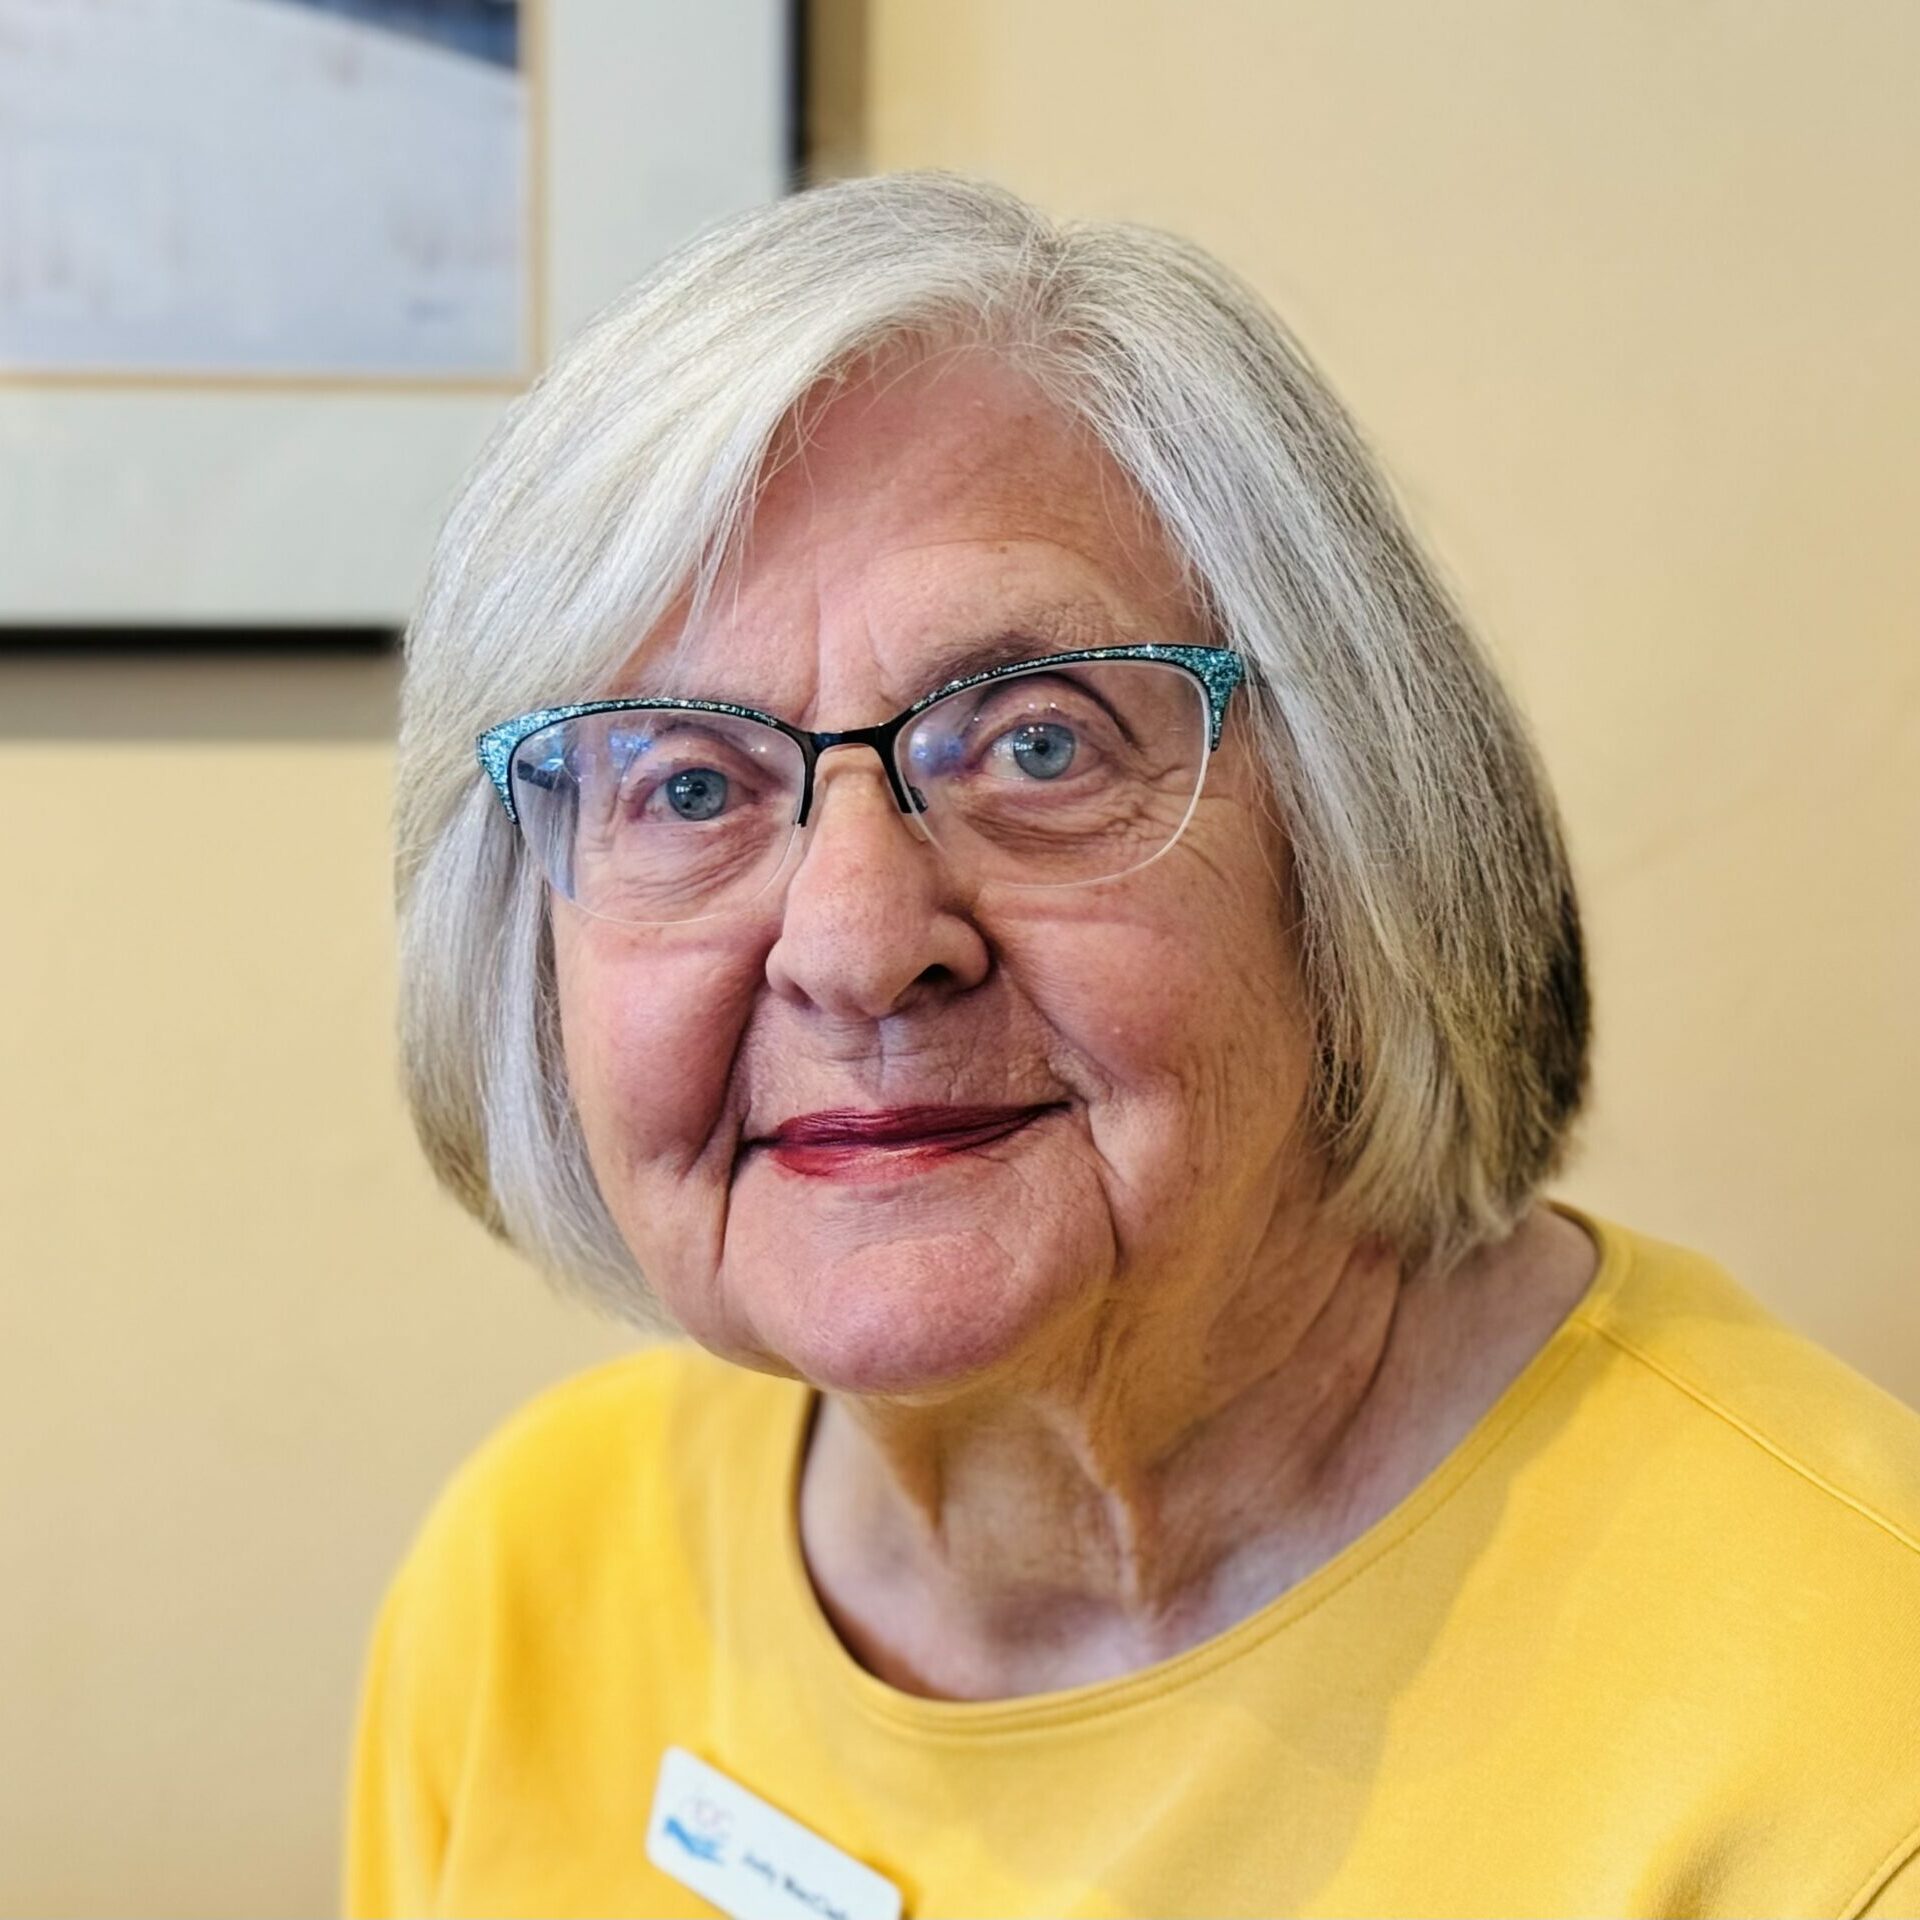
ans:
x=1052 y=777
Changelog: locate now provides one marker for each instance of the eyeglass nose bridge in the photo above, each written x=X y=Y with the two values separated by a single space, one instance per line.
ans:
x=908 y=798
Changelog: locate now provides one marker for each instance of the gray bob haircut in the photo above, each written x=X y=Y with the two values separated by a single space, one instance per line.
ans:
x=1440 y=936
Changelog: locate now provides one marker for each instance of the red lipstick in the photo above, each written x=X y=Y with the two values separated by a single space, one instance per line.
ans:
x=856 y=1143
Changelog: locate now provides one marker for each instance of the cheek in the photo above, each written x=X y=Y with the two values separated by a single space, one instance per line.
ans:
x=1186 y=1022
x=649 y=1023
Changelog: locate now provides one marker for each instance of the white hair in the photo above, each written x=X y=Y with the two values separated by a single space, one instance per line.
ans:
x=1441 y=942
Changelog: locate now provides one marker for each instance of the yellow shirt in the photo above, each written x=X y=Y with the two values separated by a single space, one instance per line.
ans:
x=1646 y=1642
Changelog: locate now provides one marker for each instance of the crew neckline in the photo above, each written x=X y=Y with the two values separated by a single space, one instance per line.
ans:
x=963 y=1720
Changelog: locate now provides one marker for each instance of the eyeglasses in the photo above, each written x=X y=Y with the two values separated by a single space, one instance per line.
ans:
x=1055 y=772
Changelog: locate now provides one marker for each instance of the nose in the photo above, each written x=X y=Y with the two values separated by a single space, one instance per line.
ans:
x=873 y=920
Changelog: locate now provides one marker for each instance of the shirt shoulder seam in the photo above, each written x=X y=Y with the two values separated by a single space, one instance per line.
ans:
x=1878 y=1879
x=1701 y=1397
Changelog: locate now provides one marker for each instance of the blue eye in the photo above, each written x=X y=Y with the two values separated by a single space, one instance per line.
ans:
x=698 y=793
x=1042 y=749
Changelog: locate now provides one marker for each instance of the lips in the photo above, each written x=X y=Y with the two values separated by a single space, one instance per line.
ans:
x=852 y=1141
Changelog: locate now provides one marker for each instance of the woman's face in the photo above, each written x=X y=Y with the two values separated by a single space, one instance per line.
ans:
x=1149 y=1028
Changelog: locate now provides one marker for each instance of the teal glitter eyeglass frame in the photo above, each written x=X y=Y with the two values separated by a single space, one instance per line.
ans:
x=1218 y=669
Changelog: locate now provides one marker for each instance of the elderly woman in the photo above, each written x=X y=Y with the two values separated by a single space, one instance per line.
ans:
x=998 y=901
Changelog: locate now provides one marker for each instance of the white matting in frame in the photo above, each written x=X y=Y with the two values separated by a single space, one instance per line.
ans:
x=271 y=269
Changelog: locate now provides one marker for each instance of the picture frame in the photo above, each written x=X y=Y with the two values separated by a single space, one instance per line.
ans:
x=176 y=456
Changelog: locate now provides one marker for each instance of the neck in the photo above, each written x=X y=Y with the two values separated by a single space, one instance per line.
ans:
x=1081 y=1520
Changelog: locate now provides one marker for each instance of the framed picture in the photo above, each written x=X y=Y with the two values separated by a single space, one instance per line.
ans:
x=270 y=270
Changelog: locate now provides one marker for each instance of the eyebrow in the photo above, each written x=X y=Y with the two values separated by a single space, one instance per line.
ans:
x=1067 y=629
x=968 y=657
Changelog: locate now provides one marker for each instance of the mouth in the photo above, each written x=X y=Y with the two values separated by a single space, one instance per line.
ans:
x=862 y=1144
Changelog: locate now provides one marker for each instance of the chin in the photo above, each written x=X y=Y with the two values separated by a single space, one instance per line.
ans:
x=912 y=1317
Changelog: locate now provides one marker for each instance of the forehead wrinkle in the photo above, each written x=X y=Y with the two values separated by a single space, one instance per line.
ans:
x=850 y=627
x=870 y=662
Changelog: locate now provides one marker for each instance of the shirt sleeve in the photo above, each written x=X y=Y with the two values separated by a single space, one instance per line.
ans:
x=1897 y=1897
x=396 y=1825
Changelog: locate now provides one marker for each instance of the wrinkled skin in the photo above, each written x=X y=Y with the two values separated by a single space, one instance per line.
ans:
x=1098 y=1388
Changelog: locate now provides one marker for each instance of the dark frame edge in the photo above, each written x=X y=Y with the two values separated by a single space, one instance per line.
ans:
x=72 y=641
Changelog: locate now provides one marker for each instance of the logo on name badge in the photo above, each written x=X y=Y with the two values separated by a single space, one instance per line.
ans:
x=749 y=1858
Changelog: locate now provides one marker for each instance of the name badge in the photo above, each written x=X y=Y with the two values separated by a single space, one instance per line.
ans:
x=749 y=1859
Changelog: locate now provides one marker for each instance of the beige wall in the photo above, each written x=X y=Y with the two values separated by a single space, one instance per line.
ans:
x=1626 y=295
x=245 y=1339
